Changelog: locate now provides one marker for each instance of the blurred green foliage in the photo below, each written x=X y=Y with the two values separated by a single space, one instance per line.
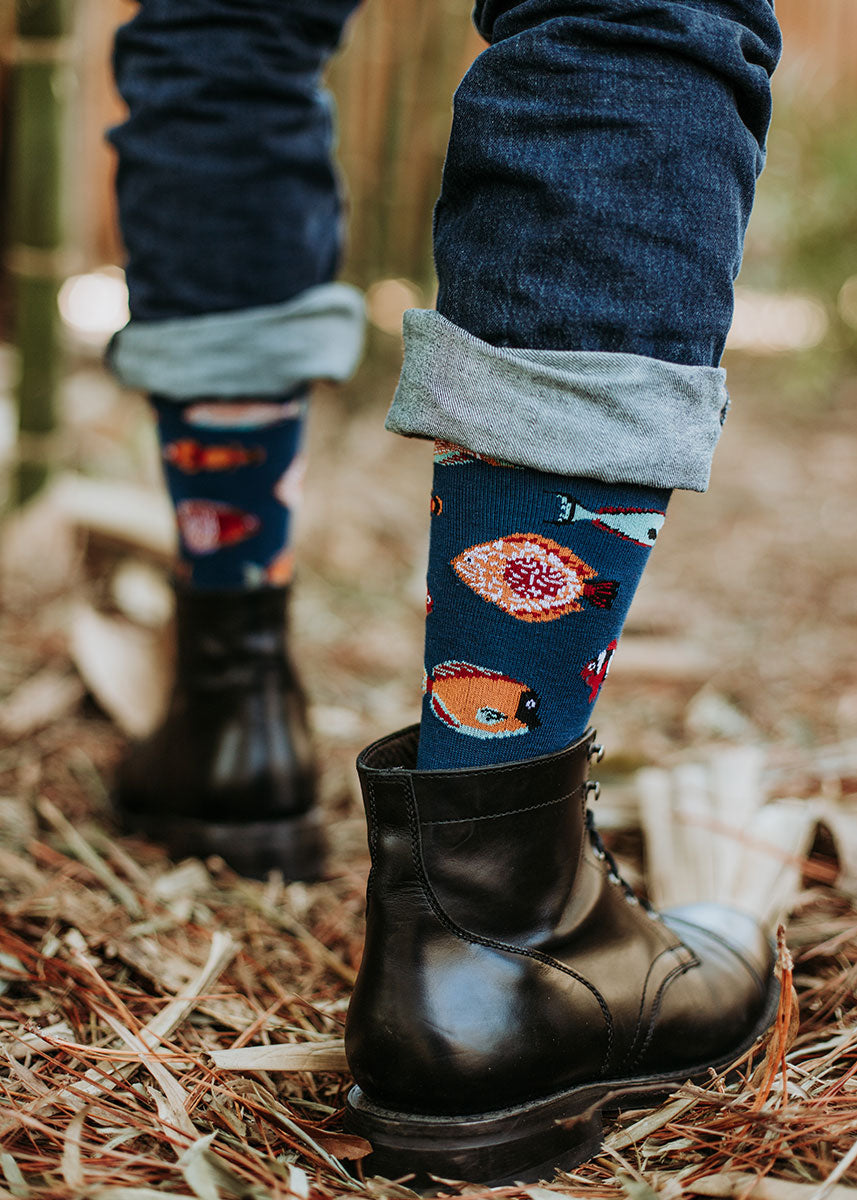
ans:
x=803 y=234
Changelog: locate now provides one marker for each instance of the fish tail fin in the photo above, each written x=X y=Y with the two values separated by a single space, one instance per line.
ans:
x=601 y=594
x=568 y=506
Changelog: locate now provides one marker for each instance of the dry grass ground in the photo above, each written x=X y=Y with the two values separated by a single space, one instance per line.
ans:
x=122 y=976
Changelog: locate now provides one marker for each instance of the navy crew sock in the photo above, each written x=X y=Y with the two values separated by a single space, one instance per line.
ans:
x=530 y=579
x=234 y=470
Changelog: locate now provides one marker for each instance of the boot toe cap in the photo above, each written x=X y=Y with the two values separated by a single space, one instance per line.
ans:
x=719 y=1006
x=728 y=934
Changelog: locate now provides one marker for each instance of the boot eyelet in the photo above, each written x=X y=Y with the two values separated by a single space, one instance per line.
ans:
x=593 y=788
x=599 y=854
x=631 y=898
x=613 y=877
x=596 y=752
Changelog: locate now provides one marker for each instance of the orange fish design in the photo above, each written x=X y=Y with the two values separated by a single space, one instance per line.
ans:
x=532 y=578
x=190 y=456
x=480 y=702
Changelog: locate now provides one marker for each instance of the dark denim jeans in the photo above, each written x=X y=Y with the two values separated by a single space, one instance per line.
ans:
x=599 y=179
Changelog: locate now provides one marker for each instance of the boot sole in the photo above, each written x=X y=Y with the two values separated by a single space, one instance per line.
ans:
x=293 y=845
x=522 y=1144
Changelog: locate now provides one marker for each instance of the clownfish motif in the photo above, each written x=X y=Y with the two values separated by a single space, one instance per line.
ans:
x=595 y=672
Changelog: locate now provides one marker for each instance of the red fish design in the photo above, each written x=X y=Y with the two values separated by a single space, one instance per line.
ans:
x=532 y=578
x=481 y=702
x=209 y=525
x=595 y=672
x=190 y=456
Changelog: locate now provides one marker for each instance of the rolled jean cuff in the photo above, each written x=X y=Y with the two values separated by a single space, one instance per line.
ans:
x=256 y=351
x=620 y=418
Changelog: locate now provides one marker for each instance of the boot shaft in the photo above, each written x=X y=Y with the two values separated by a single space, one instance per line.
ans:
x=224 y=639
x=498 y=847
x=476 y=875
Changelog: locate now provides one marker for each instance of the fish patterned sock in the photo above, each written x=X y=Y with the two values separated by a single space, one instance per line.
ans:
x=530 y=578
x=234 y=470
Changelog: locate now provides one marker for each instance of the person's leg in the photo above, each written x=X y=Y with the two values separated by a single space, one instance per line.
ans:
x=599 y=179
x=230 y=211
x=600 y=174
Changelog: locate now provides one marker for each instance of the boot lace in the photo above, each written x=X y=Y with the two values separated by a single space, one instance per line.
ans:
x=613 y=873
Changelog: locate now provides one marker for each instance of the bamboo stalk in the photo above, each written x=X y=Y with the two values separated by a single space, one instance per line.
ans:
x=40 y=88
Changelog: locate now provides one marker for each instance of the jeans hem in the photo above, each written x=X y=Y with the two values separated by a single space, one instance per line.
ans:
x=618 y=418
x=260 y=351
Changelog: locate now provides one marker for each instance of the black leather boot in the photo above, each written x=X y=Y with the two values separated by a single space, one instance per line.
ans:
x=511 y=982
x=230 y=771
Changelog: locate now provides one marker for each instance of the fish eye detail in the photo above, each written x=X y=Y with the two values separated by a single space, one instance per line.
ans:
x=491 y=716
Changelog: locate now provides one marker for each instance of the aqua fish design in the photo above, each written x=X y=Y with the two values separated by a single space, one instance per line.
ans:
x=640 y=525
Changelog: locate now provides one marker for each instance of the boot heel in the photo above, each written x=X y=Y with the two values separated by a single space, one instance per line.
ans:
x=293 y=845
x=515 y=1145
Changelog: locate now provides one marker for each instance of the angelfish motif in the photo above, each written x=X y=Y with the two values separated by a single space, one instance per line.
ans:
x=532 y=578
x=480 y=702
x=640 y=525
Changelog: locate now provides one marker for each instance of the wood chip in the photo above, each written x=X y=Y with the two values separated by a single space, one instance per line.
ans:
x=127 y=669
x=648 y=1125
x=300 y=1056
x=128 y=514
x=41 y=700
